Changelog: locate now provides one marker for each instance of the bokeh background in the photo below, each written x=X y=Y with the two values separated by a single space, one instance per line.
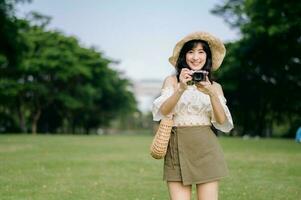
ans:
x=77 y=81
x=87 y=67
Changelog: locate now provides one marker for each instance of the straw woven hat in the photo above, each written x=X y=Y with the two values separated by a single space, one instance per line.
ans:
x=217 y=48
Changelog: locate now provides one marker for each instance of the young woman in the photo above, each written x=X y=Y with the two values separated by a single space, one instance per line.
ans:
x=194 y=155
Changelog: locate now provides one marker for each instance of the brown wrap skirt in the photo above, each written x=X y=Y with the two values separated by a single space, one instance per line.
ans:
x=194 y=156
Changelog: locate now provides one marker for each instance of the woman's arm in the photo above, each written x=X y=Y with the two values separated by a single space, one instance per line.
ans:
x=170 y=103
x=214 y=90
x=217 y=107
x=179 y=88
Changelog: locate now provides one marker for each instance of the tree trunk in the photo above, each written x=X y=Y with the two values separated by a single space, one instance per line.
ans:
x=21 y=117
x=87 y=130
x=261 y=125
x=21 y=120
x=35 y=120
x=73 y=127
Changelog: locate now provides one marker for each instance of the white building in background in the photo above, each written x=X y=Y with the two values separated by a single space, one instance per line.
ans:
x=146 y=91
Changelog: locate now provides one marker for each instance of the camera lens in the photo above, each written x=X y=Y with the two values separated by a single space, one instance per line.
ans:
x=198 y=76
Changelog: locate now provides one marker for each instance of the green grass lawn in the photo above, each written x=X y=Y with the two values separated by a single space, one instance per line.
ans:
x=61 y=167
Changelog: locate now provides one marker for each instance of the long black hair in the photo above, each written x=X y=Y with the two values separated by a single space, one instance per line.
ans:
x=181 y=62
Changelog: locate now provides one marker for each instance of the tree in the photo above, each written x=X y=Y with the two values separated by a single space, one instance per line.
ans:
x=57 y=77
x=262 y=70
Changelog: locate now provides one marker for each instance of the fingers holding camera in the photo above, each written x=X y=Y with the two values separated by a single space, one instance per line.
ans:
x=184 y=77
x=205 y=86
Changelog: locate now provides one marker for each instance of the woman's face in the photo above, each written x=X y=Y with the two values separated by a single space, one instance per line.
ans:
x=196 y=57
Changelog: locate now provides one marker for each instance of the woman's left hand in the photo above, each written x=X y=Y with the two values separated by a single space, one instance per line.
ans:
x=206 y=87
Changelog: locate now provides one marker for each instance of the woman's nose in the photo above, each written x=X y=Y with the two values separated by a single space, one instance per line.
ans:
x=195 y=56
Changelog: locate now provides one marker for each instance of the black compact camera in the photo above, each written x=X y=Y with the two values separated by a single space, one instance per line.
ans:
x=199 y=75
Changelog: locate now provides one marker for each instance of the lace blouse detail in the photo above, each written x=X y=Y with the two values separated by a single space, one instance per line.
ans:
x=193 y=108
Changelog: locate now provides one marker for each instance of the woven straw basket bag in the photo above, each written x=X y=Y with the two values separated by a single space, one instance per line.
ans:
x=159 y=144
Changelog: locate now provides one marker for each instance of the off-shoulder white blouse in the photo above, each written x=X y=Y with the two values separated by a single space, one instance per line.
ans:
x=193 y=109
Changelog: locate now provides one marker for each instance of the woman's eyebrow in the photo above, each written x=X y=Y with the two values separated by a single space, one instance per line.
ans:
x=197 y=49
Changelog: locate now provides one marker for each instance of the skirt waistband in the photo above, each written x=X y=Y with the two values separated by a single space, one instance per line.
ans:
x=190 y=127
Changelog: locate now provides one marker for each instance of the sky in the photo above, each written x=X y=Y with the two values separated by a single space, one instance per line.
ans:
x=140 y=34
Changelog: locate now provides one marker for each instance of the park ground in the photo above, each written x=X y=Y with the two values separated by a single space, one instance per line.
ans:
x=109 y=167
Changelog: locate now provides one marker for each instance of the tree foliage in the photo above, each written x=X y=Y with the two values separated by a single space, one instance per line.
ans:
x=262 y=70
x=58 y=85
x=11 y=45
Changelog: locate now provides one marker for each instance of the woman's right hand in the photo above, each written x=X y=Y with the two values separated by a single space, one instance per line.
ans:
x=184 y=77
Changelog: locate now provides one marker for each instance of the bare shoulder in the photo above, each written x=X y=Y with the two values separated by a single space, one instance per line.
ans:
x=170 y=81
x=218 y=88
